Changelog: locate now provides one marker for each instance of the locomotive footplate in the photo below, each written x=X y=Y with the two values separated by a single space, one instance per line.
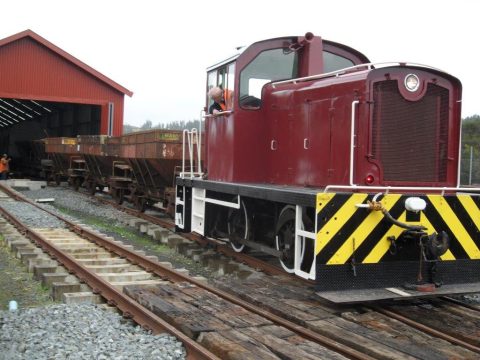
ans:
x=396 y=280
x=394 y=293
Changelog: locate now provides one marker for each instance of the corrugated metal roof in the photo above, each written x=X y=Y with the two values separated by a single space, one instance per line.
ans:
x=12 y=111
x=67 y=56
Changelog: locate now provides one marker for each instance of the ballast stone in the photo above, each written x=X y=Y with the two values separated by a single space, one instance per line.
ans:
x=80 y=332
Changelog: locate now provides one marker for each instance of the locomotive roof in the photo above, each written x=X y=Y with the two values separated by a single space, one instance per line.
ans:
x=241 y=49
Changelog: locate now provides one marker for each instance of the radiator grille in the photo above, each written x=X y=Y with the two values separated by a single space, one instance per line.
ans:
x=410 y=138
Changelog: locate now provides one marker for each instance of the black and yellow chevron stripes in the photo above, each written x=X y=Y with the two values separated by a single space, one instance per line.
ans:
x=346 y=232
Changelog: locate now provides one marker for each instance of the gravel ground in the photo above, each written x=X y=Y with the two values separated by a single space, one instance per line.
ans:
x=65 y=198
x=79 y=332
x=32 y=216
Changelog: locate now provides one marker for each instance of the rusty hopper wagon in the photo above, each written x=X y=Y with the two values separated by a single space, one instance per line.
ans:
x=153 y=157
x=61 y=151
x=140 y=167
x=105 y=168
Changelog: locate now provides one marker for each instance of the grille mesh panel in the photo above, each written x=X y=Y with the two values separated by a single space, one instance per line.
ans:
x=410 y=138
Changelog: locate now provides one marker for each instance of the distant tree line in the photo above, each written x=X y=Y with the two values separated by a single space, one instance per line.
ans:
x=470 y=167
x=173 y=125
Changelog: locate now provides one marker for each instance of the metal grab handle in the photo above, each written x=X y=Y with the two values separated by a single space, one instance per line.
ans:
x=273 y=145
x=306 y=143
x=220 y=113
x=352 y=139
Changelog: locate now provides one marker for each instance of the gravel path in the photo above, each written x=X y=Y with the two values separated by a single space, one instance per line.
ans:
x=79 y=332
x=31 y=216
x=81 y=203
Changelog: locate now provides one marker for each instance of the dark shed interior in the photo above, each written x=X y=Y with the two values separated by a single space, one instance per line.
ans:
x=22 y=121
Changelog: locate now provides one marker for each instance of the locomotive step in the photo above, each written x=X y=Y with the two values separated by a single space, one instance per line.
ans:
x=365 y=295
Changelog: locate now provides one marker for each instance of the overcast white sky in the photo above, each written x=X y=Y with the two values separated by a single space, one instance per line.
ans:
x=160 y=49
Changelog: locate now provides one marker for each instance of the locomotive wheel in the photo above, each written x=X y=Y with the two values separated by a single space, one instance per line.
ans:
x=285 y=238
x=238 y=227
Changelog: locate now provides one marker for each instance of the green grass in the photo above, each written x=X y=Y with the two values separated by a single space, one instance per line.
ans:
x=17 y=284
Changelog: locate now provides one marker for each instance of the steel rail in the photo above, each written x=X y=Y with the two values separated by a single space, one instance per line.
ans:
x=174 y=276
x=461 y=303
x=129 y=307
x=427 y=329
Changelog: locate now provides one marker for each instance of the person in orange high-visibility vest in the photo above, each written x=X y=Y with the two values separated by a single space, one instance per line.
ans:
x=4 y=167
x=218 y=97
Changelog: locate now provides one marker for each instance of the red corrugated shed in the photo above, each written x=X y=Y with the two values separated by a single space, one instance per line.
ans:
x=33 y=68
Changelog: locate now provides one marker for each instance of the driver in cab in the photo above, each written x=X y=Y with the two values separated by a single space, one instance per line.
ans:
x=219 y=104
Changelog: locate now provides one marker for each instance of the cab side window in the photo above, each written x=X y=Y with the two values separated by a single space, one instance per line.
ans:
x=224 y=78
x=268 y=66
x=333 y=62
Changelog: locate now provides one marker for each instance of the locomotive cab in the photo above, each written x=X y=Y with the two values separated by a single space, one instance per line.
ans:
x=345 y=171
x=248 y=143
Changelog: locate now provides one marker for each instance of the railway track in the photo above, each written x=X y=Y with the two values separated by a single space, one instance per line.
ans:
x=65 y=247
x=75 y=249
x=354 y=332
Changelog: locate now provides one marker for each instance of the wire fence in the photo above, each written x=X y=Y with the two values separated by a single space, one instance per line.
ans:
x=470 y=165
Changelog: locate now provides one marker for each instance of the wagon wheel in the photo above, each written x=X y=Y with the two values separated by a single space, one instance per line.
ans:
x=92 y=187
x=76 y=183
x=117 y=195
x=144 y=205
x=238 y=227
x=285 y=238
x=140 y=203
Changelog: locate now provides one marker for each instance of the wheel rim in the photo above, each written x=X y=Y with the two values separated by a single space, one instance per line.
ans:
x=238 y=227
x=285 y=238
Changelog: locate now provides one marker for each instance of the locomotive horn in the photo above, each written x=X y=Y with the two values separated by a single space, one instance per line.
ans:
x=307 y=39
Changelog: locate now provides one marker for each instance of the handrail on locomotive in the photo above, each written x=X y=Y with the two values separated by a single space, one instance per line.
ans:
x=354 y=68
x=192 y=141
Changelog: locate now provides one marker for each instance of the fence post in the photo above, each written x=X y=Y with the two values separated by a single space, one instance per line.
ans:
x=471 y=166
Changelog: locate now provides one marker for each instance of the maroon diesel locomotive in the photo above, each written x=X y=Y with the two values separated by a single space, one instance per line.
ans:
x=346 y=171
